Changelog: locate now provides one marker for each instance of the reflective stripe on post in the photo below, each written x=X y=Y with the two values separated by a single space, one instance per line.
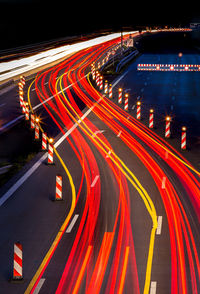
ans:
x=58 y=188
x=17 y=263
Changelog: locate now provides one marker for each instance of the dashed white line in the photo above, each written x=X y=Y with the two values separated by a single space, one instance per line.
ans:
x=12 y=190
x=94 y=181
x=71 y=225
x=159 y=227
x=39 y=286
x=153 y=287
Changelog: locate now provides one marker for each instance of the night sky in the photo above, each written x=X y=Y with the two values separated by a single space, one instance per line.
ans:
x=28 y=21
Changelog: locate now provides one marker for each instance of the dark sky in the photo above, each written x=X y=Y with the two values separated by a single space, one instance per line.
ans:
x=29 y=21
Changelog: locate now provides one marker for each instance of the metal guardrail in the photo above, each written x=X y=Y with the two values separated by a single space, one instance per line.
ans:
x=126 y=59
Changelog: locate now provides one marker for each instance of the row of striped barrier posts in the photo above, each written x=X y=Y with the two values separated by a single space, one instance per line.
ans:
x=107 y=88
x=47 y=144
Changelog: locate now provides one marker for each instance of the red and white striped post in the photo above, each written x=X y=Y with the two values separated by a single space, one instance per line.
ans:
x=24 y=107
x=44 y=141
x=20 y=87
x=101 y=83
x=106 y=87
x=97 y=78
x=17 y=262
x=50 y=152
x=167 y=127
x=32 y=121
x=183 y=138
x=126 y=96
x=110 y=91
x=37 y=129
x=151 y=118
x=58 y=188
x=93 y=71
x=120 y=95
x=21 y=99
x=138 y=111
x=22 y=80
x=27 y=112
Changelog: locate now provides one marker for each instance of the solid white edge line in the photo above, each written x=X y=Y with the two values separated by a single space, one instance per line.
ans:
x=9 y=193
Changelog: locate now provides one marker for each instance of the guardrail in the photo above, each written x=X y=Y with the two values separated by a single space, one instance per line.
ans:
x=126 y=59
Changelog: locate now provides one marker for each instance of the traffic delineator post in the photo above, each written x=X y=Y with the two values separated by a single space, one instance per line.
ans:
x=110 y=91
x=50 y=152
x=32 y=121
x=167 y=127
x=58 y=195
x=183 y=138
x=24 y=107
x=126 y=96
x=151 y=118
x=44 y=141
x=138 y=111
x=120 y=95
x=37 y=129
x=101 y=83
x=27 y=112
x=106 y=87
x=17 y=262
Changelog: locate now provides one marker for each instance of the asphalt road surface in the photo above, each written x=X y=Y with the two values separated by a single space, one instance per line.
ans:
x=129 y=218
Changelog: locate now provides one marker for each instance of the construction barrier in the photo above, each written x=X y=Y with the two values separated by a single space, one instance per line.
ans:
x=167 y=127
x=110 y=91
x=183 y=138
x=106 y=87
x=44 y=141
x=50 y=152
x=58 y=188
x=120 y=95
x=138 y=112
x=126 y=96
x=32 y=121
x=151 y=118
x=17 y=263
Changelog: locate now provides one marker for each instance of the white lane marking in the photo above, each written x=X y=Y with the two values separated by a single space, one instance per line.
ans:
x=51 y=97
x=22 y=179
x=159 y=227
x=164 y=182
x=10 y=192
x=94 y=181
x=35 y=107
x=71 y=225
x=153 y=287
x=119 y=134
x=76 y=124
x=2 y=104
x=11 y=122
x=39 y=286
x=97 y=132
x=109 y=152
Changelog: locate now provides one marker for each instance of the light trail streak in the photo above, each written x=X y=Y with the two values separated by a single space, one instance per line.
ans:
x=63 y=108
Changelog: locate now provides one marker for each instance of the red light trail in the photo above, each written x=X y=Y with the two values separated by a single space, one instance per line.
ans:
x=68 y=82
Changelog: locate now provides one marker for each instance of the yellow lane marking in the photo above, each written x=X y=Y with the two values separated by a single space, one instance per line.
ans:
x=144 y=195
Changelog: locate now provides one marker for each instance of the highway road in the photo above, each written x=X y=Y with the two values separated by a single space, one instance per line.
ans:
x=129 y=218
